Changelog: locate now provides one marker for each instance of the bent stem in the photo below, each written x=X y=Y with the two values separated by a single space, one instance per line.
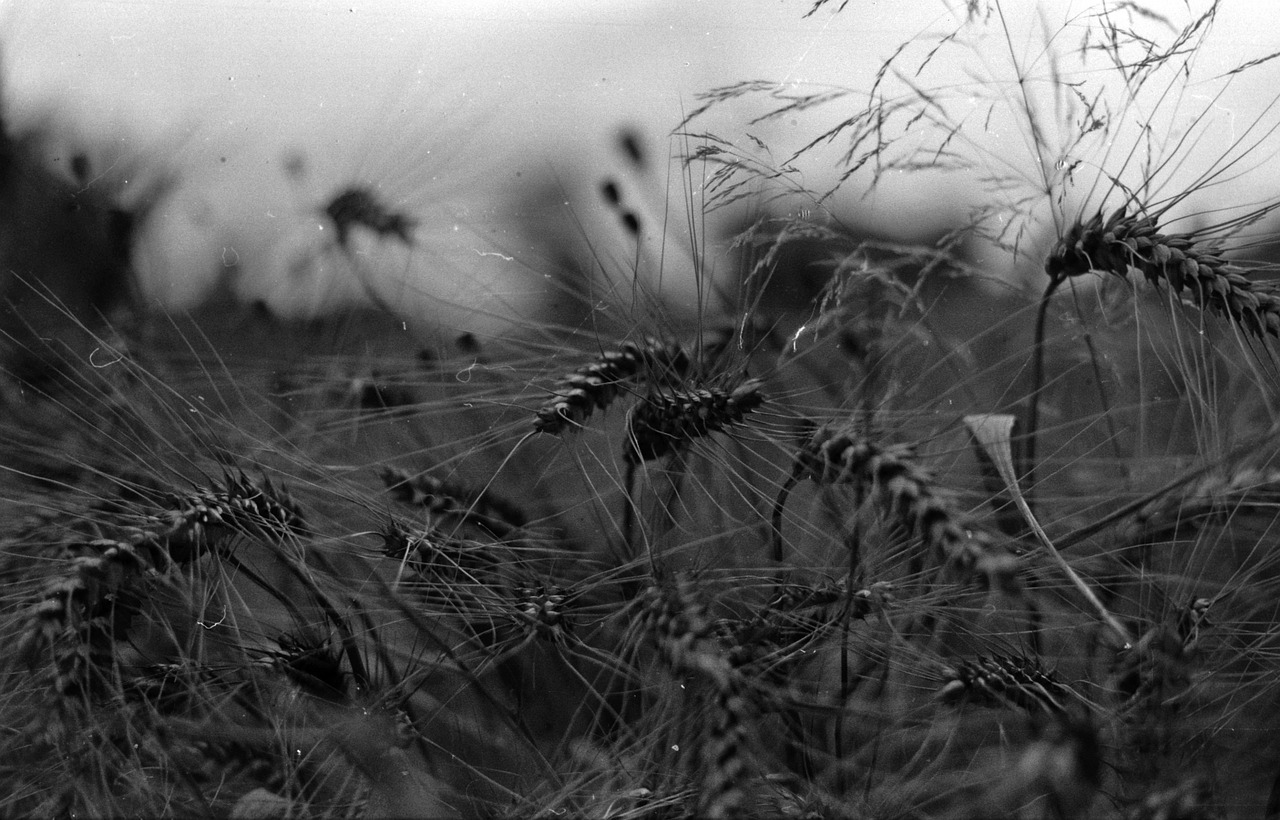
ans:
x=992 y=432
x=776 y=519
x=1027 y=461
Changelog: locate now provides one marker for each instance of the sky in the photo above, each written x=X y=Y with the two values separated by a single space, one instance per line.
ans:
x=468 y=112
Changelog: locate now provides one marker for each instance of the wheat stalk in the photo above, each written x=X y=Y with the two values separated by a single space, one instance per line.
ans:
x=206 y=716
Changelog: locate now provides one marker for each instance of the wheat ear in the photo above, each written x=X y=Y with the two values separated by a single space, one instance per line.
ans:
x=1217 y=495
x=904 y=490
x=725 y=761
x=596 y=385
x=679 y=626
x=1183 y=262
x=1001 y=680
x=499 y=516
x=665 y=422
x=198 y=522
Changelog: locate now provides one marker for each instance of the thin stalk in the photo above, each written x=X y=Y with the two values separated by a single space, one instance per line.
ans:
x=854 y=543
x=1112 y=433
x=1027 y=462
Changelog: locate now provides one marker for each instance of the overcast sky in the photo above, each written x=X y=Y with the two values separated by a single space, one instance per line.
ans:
x=477 y=91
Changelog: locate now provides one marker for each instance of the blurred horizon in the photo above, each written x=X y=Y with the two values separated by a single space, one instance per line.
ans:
x=455 y=106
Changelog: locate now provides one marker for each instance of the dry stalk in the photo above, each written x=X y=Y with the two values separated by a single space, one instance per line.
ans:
x=992 y=433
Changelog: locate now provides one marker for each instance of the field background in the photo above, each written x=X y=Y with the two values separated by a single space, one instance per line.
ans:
x=443 y=410
x=511 y=103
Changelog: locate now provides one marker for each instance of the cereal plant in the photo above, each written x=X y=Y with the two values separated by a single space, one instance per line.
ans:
x=797 y=522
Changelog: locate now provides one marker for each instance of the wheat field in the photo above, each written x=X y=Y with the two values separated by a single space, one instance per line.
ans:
x=794 y=521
